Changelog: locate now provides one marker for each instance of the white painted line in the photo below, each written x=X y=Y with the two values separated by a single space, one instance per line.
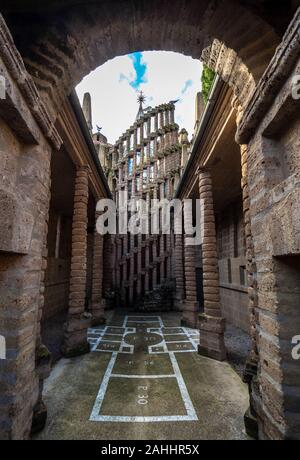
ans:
x=183 y=389
x=141 y=321
x=178 y=341
x=111 y=341
x=132 y=376
x=146 y=419
x=103 y=387
x=191 y=414
x=114 y=333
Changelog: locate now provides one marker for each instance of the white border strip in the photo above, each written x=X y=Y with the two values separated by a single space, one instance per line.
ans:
x=103 y=387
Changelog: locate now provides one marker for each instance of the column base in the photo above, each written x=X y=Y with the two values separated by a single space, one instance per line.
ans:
x=43 y=359
x=98 y=321
x=75 y=341
x=251 y=424
x=178 y=305
x=39 y=417
x=190 y=315
x=250 y=417
x=212 y=337
x=98 y=317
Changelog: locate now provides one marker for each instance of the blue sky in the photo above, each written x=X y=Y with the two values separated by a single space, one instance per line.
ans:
x=140 y=68
x=162 y=76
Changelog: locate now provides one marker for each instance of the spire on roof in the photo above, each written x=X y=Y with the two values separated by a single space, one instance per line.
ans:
x=141 y=100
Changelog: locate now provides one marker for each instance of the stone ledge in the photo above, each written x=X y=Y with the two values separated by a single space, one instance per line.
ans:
x=16 y=68
x=276 y=73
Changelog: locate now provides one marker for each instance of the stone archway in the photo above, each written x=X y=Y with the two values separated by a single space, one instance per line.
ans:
x=66 y=40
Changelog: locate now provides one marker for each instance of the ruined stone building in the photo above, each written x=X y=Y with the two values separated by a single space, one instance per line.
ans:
x=243 y=165
x=145 y=163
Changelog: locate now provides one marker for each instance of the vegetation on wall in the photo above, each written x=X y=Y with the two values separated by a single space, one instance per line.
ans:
x=207 y=78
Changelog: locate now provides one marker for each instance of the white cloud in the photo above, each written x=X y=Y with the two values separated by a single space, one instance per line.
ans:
x=169 y=76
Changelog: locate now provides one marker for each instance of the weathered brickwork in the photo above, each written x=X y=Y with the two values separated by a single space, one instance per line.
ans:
x=24 y=201
x=61 y=56
x=274 y=196
x=232 y=266
x=57 y=274
x=212 y=323
x=238 y=42
x=145 y=163
x=78 y=321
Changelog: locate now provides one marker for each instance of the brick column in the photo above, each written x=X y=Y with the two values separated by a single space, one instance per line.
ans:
x=131 y=292
x=154 y=277
x=212 y=325
x=162 y=258
x=118 y=258
x=179 y=273
x=147 y=262
x=75 y=340
x=169 y=261
x=190 y=306
x=139 y=267
x=98 y=303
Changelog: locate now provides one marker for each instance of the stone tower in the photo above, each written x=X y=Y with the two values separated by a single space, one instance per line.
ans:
x=146 y=162
x=87 y=110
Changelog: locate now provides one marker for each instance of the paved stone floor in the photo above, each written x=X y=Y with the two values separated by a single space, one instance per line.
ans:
x=144 y=380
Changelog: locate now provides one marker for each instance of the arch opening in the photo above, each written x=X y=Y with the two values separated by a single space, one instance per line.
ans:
x=64 y=43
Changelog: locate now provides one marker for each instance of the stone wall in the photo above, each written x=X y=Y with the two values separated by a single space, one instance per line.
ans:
x=24 y=201
x=57 y=276
x=272 y=129
x=232 y=266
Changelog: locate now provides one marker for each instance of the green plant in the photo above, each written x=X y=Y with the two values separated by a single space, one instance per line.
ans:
x=207 y=78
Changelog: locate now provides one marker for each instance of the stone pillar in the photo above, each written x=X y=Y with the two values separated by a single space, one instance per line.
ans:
x=161 y=119
x=162 y=258
x=98 y=303
x=118 y=258
x=75 y=340
x=251 y=368
x=167 y=118
x=154 y=277
x=156 y=122
x=139 y=267
x=212 y=324
x=184 y=142
x=169 y=262
x=147 y=254
x=179 y=273
x=190 y=306
x=132 y=276
x=43 y=357
x=172 y=115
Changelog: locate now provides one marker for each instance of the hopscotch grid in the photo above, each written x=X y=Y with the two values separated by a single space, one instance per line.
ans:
x=149 y=376
x=96 y=342
x=191 y=414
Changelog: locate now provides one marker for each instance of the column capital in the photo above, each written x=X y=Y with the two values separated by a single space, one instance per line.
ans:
x=203 y=170
x=83 y=168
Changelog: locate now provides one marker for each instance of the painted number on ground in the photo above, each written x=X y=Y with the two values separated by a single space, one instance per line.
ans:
x=143 y=395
